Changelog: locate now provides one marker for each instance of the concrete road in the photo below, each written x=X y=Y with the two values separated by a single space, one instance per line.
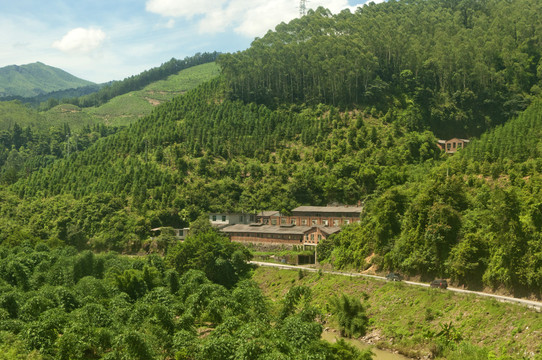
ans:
x=536 y=305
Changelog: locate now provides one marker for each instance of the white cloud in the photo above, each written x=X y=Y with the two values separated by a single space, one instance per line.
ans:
x=80 y=40
x=249 y=18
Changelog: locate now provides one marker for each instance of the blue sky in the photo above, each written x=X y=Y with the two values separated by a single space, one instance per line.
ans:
x=104 y=40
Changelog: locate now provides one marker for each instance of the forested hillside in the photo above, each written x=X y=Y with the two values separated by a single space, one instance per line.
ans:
x=334 y=108
x=31 y=139
x=455 y=67
x=326 y=109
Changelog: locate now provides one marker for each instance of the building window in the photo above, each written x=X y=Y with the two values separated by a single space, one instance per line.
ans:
x=346 y=221
x=319 y=237
x=449 y=146
x=304 y=222
x=214 y=217
x=312 y=237
x=294 y=222
x=283 y=221
x=241 y=219
x=335 y=222
x=325 y=222
x=223 y=217
x=273 y=221
x=314 y=221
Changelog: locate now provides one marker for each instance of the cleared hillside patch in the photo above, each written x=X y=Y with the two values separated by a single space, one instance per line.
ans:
x=125 y=109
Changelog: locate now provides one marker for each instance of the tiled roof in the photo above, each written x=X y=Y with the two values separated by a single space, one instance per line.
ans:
x=267 y=229
x=268 y=213
x=276 y=229
x=329 y=209
x=329 y=229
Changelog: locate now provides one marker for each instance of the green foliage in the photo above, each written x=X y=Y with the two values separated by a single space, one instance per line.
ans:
x=400 y=315
x=350 y=314
x=12 y=347
x=452 y=75
x=342 y=350
x=120 y=307
x=449 y=333
x=222 y=261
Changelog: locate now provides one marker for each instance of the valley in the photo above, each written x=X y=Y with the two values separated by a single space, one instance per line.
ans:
x=401 y=137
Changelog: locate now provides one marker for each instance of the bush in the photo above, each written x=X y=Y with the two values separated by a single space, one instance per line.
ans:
x=350 y=314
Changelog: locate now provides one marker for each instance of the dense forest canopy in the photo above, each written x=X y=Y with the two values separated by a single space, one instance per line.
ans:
x=455 y=67
x=61 y=304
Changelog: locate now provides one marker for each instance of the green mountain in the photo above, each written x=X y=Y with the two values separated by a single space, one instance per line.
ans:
x=31 y=139
x=35 y=79
x=323 y=110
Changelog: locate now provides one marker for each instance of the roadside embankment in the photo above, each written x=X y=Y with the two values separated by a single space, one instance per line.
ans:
x=420 y=322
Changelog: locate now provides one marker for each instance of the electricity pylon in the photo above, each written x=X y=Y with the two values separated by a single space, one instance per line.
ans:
x=302 y=7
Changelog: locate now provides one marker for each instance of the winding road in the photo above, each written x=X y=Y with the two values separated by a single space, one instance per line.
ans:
x=536 y=305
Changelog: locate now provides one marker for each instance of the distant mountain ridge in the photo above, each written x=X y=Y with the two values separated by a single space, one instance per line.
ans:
x=35 y=79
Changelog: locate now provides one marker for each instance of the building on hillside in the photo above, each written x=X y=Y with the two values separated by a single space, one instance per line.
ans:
x=452 y=145
x=317 y=234
x=220 y=220
x=333 y=216
x=180 y=234
x=264 y=217
x=288 y=235
x=306 y=226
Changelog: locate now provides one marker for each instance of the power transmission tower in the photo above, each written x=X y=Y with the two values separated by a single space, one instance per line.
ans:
x=302 y=7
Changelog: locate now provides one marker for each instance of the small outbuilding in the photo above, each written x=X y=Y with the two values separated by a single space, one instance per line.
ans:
x=452 y=145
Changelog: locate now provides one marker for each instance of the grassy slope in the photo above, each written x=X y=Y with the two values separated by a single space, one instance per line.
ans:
x=125 y=109
x=12 y=112
x=406 y=318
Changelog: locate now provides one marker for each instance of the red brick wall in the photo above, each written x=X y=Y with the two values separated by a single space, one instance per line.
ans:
x=314 y=240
